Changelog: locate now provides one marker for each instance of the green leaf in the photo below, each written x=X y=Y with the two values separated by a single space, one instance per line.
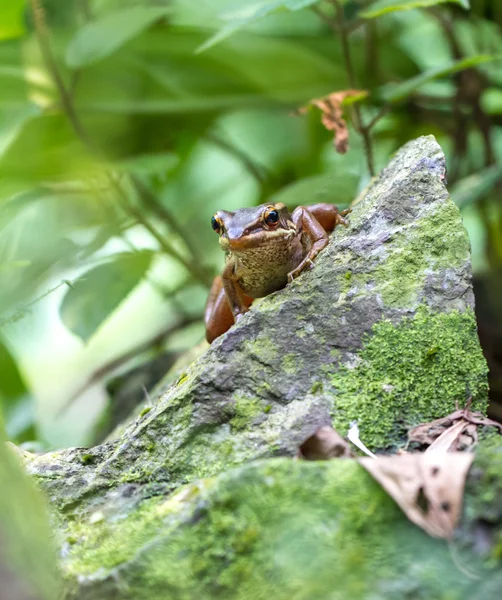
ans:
x=44 y=148
x=398 y=92
x=99 y=292
x=470 y=189
x=100 y=38
x=11 y=19
x=15 y=401
x=248 y=12
x=387 y=6
x=326 y=187
x=28 y=558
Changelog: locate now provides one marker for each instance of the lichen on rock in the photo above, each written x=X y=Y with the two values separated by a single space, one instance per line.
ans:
x=381 y=330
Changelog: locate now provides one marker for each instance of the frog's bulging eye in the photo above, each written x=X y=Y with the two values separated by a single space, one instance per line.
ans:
x=271 y=216
x=216 y=224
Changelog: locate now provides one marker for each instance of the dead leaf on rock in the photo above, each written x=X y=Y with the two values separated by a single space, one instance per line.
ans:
x=324 y=444
x=456 y=431
x=428 y=487
x=331 y=107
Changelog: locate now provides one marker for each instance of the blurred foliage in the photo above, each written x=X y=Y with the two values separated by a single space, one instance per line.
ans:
x=124 y=125
x=28 y=569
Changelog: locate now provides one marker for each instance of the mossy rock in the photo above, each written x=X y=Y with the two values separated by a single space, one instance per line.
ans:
x=287 y=529
x=381 y=330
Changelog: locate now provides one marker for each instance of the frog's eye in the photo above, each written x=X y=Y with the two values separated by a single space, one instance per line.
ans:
x=271 y=216
x=217 y=224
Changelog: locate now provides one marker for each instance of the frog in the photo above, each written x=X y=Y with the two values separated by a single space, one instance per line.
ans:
x=266 y=247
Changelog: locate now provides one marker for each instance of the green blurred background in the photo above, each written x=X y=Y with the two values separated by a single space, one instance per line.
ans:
x=124 y=125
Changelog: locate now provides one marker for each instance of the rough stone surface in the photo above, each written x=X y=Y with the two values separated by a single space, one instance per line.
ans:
x=287 y=529
x=382 y=330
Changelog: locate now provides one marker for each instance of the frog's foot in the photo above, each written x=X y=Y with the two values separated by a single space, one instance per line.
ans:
x=339 y=220
x=306 y=263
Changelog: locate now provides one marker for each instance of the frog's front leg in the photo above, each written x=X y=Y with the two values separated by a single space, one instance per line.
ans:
x=238 y=301
x=316 y=222
x=218 y=315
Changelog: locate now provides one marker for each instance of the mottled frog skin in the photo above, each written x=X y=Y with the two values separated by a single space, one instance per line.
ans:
x=266 y=247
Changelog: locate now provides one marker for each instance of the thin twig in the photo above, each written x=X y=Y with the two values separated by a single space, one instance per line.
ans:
x=150 y=200
x=117 y=362
x=42 y=33
x=129 y=207
x=338 y=27
x=259 y=172
x=358 y=123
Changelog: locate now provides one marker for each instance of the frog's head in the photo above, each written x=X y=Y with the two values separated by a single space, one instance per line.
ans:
x=253 y=227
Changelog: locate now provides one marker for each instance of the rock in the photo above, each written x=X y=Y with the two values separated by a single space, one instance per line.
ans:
x=381 y=330
x=287 y=529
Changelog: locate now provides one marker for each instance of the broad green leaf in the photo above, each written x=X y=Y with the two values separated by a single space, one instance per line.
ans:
x=398 y=92
x=28 y=558
x=11 y=123
x=11 y=19
x=45 y=148
x=326 y=187
x=246 y=13
x=383 y=7
x=98 y=39
x=470 y=189
x=15 y=401
x=99 y=292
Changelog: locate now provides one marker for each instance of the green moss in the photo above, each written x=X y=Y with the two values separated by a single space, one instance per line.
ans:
x=267 y=408
x=398 y=382
x=245 y=410
x=277 y=529
x=145 y=411
x=87 y=459
x=262 y=347
x=291 y=363
x=435 y=242
x=316 y=387
x=483 y=492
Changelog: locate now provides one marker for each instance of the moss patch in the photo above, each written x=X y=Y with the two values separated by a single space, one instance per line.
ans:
x=410 y=373
x=277 y=529
x=245 y=410
x=434 y=242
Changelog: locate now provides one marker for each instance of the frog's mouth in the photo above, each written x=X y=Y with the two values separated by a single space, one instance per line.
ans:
x=257 y=239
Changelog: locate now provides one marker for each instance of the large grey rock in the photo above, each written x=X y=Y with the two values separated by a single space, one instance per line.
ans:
x=382 y=330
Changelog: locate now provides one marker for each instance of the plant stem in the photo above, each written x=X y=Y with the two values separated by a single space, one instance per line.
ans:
x=257 y=171
x=347 y=57
x=129 y=207
x=42 y=33
x=339 y=27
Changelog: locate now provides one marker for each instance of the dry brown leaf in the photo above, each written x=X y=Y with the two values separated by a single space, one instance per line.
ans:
x=428 y=487
x=461 y=437
x=326 y=443
x=332 y=116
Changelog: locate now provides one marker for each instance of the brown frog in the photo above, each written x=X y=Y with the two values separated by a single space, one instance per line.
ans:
x=266 y=247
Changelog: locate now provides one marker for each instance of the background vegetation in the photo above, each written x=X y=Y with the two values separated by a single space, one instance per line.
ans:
x=124 y=125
